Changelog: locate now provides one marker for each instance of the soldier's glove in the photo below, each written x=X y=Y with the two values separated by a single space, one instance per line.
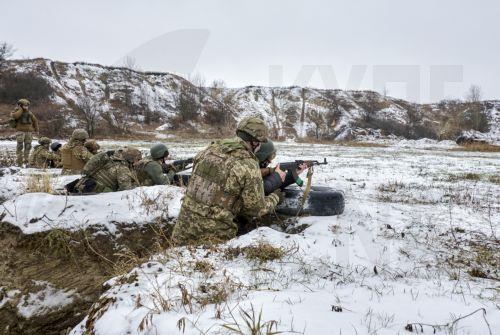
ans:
x=279 y=195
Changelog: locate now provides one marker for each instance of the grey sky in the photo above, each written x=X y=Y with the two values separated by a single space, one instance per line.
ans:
x=243 y=39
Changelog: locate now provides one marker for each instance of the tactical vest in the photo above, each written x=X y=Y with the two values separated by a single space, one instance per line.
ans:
x=142 y=175
x=25 y=118
x=208 y=180
x=68 y=159
x=97 y=163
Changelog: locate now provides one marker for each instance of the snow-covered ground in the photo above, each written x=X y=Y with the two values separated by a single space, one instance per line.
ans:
x=416 y=248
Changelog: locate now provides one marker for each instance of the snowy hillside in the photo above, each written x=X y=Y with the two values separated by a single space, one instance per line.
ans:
x=125 y=96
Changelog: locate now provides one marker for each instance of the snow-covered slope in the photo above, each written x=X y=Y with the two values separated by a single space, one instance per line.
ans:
x=127 y=96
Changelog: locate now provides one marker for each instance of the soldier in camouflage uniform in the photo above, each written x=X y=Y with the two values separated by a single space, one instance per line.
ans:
x=110 y=172
x=225 y=183
x=25 y=122
x=92 y=146
x=41 y=157
x=150 y=169
x=74 y=154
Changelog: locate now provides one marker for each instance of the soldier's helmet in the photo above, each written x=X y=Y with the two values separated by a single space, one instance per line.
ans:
x=92 y=146
x=23 y=102
x=267 y=151
x=55 y=146
x=131 y=155
x=253 y=126
x=80 y=134
x=159 y=151
x=44 y=140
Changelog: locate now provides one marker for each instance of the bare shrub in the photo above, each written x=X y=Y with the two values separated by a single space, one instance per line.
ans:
x=220 y=114
x=14 y=86
x=186 y=105
x=53 y=120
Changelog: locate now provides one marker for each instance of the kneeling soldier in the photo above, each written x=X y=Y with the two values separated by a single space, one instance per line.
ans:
x=41 y=157
x=74 y=155
x=225 y=183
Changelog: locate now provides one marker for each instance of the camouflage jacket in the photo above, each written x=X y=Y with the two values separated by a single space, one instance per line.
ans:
x=74 y=156
x=26 y=121
x=116 y=175
x=42 y=158
x=226 y=182
x=150 y=172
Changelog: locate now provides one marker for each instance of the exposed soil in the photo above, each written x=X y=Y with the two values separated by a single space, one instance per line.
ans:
x=80 y=261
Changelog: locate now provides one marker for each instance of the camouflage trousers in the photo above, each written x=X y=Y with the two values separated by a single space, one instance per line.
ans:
x=194 y=227
x=23 y=147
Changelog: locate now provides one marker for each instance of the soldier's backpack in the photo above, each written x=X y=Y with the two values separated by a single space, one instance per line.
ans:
x=97 y=163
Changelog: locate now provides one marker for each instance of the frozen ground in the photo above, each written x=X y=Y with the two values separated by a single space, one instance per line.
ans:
x=416 y=248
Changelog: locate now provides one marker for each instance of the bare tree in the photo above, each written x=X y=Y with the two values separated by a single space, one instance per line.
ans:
x=130 y=63
x=6 y=51
x=318 y=120
x=474 y=93
x=131 y=66
x=385 y=92
x=89 y=110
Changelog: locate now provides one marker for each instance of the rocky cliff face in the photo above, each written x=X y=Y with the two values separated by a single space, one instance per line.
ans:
x=125 y=99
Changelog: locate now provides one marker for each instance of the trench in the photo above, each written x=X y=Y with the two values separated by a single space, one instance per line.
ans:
x=78 y=262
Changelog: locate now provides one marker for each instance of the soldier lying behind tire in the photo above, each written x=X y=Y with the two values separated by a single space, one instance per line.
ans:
x=275 y=178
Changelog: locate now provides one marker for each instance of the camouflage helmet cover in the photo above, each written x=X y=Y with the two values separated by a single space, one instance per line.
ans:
x=44 y=140
x=92 y=145
x=80 y=134
x=23 y=102
x=131 y=155
x=255 y=127
x=159 y=150
x=267 y=151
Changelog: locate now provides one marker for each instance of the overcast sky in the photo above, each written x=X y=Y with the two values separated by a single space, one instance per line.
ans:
x=327 y=44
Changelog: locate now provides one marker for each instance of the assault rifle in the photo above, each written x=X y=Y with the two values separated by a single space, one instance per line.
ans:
x=177 y=166
x=293 y=166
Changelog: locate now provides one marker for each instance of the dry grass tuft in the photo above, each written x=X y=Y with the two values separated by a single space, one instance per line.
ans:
x=262 y=252
x=203 y=267
x=251 y=323
x=39 y=183
x=481 y=147
x=362 y=144
x=465 y=176
x=216 y=293
x=7 y=158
